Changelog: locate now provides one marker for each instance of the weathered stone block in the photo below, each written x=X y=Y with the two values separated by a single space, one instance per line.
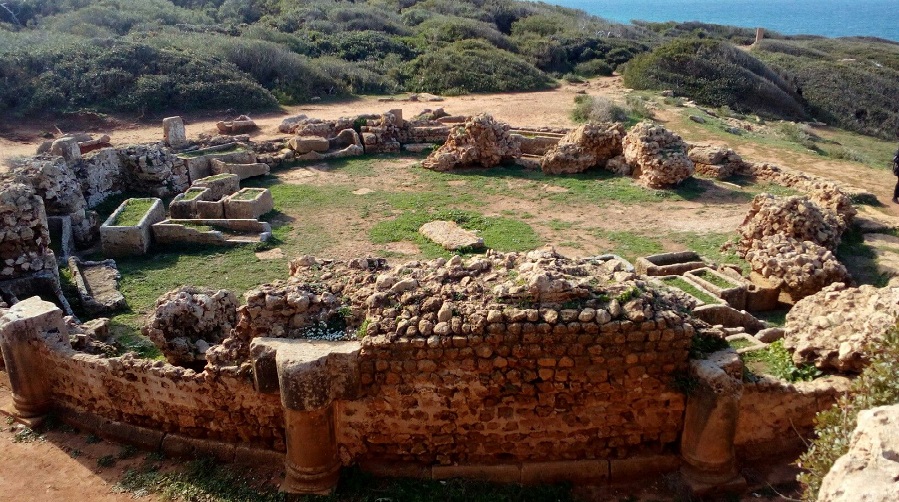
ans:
x=130 y=240
x=219 y=185
x=67 y=148
x=173 y=132
x=249 y=203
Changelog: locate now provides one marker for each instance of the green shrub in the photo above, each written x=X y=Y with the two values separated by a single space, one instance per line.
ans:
x=593 y=68
x=854 y=86
x=597 y=109
x=714 y=73
x=118 y=75
x=876 y=386
x=453 y=29
x=473 y=66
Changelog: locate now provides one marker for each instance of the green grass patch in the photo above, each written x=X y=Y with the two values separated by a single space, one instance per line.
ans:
x=740 y=343
x=133 y=212
x=216 y=177
x=630 y=245
x=499 y=233
x=773 y=317
x=690 y=289
x=775 y=360
x=247 y=194
x=714 y=279
x=193 y=193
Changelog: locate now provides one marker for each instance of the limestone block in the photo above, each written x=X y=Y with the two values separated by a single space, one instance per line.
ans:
x=173 y=132
x=61 y=238
x=209 y=210
x=669 y=263
x=869 y=470
x=306 y=144
x=211 y=231
x=117 y=240
x=67 y=148
x=243 y=171
x=219 y=185
x=451 y=236
x=97 y=283
x=249 y=203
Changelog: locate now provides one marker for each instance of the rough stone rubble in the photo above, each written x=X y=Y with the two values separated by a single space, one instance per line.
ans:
x=835 y=328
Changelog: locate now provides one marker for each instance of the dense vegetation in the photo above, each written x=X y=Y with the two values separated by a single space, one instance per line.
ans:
x=851 y=83
x=145 y=55
x=148 y=55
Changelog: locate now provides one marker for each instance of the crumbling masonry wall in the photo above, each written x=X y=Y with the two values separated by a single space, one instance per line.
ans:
x=520 y=390
x=167 y=398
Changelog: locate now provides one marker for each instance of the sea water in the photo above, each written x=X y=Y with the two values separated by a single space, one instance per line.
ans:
x=830 y=18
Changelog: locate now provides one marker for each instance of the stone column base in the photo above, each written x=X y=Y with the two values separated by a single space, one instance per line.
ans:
x=702 y=484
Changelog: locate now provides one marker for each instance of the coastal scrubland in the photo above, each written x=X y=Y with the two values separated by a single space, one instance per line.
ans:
x=147 y=57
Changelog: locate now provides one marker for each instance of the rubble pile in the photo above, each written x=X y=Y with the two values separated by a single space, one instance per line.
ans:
x=481 y=141
x=835 y=328
x=590 y=145
x=804 y=267
x=188 y=320
x=657 y=155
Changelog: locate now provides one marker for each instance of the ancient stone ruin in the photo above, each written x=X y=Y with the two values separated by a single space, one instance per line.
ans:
x=513 y=367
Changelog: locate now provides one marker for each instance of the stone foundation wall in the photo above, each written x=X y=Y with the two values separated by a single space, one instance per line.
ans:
x=520 y=391
x=167 y=398
x=776 y=415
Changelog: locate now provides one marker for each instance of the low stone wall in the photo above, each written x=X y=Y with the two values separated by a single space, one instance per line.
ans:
x=521 y=391
x=778 y=416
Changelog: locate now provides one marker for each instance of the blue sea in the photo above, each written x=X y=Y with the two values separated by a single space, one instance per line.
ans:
x=830 y=18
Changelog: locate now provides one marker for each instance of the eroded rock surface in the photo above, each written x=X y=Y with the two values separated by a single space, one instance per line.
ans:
x=451 y=236
x=480 y=142
x=869 y=471
x=834 y=328
x=188 y=320
x=658 y=156
x=590 y=145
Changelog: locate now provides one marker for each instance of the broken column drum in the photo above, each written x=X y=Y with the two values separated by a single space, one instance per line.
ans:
x=20 y=330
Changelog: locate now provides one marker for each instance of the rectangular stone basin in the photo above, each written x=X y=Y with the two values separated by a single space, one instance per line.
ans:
x=211 y=231
x=249 y=203
x=669 y=263
x=728 y=289
x=124 y=234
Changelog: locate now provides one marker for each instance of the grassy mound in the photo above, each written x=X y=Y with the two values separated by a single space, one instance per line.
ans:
x=715 y=73
x=849 y=83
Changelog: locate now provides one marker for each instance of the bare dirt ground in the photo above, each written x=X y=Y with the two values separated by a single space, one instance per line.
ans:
x=546 y=108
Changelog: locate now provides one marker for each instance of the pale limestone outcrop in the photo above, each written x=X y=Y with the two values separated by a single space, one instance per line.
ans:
x=481 y=141
x=450 y=236
x=869 y=471
x=590 y=145
x=804 y=267
x=188 y=320
x=658 y=156
x=834 y=329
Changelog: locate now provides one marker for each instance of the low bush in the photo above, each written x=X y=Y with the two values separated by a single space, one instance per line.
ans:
x=876 y=386
x=593 y=68
x=473 y=66
x=597 y=109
